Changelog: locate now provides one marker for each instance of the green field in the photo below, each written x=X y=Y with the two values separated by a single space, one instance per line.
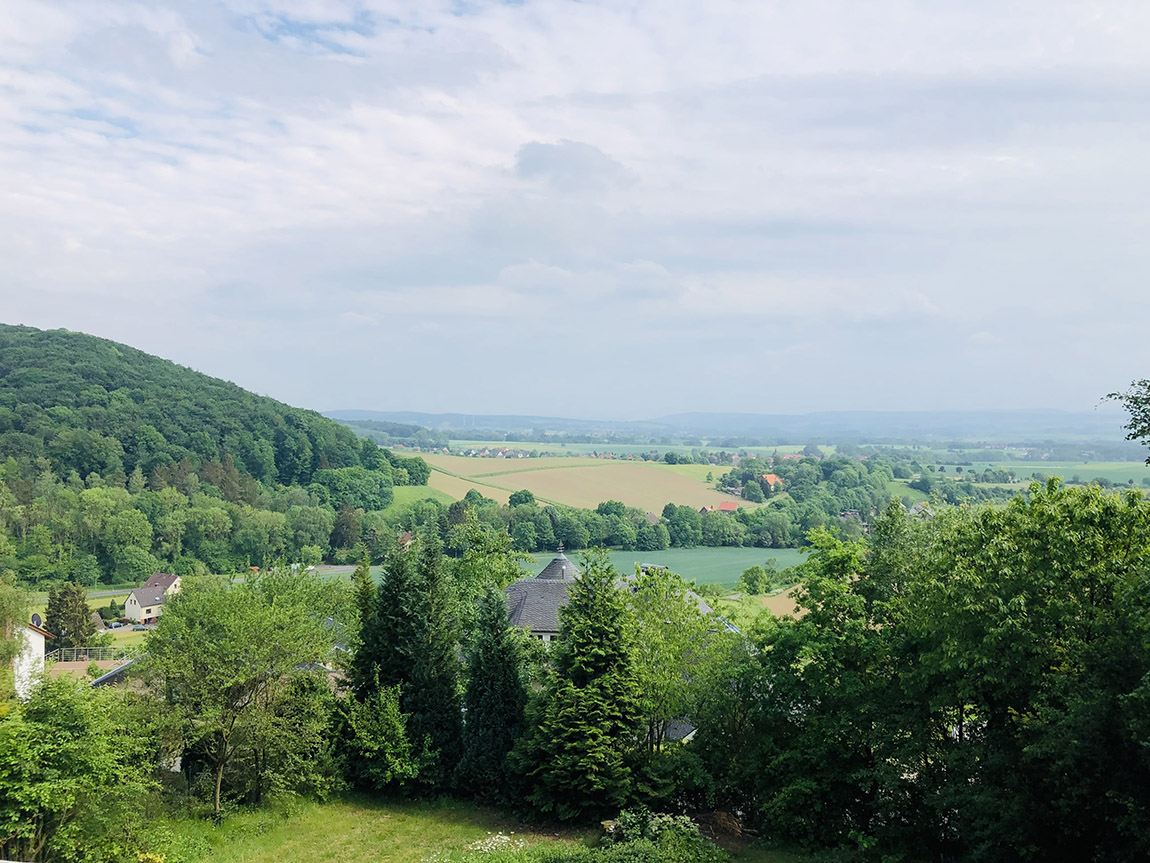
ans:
x=363 y=831
x=1116 y=472
x=703 y=565
x=405 y=494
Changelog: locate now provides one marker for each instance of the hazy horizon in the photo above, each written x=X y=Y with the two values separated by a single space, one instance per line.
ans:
x=580 y=209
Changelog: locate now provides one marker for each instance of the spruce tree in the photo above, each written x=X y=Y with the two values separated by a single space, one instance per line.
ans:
x=494 y=700
x=432 y=694
x=68 y=616
x=585 y=722
x=364 y=589
x=391 y=644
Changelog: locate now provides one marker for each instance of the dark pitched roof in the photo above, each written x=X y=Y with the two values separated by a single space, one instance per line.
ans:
x=146 y=596
x=162 y=580
x=535 y=602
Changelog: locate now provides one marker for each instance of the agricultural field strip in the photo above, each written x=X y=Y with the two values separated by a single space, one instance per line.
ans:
x=474 y=481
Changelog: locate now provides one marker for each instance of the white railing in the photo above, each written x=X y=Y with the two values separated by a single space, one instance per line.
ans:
x=91 y=654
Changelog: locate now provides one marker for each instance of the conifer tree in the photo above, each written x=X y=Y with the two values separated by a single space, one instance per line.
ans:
x=432 y=693
x=386 y=648
x=364 y=589
x=494 y=700
x=584 y=724
x=68 y=616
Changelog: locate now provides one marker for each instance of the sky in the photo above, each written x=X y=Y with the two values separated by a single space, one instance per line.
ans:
x=593 y=209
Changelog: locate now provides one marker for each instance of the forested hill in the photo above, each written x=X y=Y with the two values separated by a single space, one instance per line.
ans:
x=115 y=464
x=92 y=405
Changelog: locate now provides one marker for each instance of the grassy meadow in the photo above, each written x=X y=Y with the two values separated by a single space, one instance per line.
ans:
x=581 y=482
x=703 y=565
x=1117 y=472
x=357 y=830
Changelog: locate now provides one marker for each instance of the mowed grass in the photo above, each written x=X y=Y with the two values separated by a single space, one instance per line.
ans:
x=356 y=831
x=702 y=565
x=581 y=482
x=405 y=494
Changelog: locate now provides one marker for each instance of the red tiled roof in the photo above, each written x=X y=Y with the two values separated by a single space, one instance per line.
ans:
x=728 y=506
x=773 y=478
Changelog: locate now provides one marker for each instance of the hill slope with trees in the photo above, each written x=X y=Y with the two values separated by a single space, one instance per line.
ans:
x=115 y=463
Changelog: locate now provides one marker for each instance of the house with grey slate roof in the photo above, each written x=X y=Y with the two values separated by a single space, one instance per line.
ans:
x=146 y=603
x=535 y=602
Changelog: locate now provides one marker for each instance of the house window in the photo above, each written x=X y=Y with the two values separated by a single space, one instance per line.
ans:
x=149 y=611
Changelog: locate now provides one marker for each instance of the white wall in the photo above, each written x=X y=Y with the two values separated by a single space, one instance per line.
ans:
x=30 y=661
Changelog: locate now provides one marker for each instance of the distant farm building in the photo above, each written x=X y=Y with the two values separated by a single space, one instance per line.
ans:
x=725 y=506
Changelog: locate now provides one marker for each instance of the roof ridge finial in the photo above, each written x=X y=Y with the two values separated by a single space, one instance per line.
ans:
x=560 y=546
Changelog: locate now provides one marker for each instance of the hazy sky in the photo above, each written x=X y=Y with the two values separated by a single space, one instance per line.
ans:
x=616 y=209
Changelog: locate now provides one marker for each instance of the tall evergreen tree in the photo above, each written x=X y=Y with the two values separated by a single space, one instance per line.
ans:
x=494 y=700
x=584 y=724
x=68 y=616
x=432 y=695
x=364 y=589
x=384 y=647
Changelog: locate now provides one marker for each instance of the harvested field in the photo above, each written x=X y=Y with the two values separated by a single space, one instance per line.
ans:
x=582 y=482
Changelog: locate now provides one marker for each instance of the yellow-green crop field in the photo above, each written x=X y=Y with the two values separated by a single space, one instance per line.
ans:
x=582 y=482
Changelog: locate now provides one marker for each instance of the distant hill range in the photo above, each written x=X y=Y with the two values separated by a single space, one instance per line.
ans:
x=1106 y=423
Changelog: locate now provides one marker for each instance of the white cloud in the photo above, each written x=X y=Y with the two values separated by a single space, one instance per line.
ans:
x=802 y=180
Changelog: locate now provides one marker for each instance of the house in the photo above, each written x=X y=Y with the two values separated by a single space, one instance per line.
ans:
x=166 y=581
x=535 y=602
x=725 y=506
x=772 y=479
x=145 y=604
x=29 y=661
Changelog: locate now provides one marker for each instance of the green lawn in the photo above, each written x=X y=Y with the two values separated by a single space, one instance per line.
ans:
x=364 y=831
x=1117 y=472
x=704 y=565
x=405 y=494
x=354 y=831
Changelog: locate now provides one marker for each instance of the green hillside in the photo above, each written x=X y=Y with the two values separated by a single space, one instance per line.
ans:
x=115 y=464
x=92 y=405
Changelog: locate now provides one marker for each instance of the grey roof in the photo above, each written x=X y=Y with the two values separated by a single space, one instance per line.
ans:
x=146 y=596
x=560 y=568
x=535 y=602
x=162 y=580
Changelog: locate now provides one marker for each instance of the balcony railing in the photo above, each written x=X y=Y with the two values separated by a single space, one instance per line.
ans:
x=91 y=654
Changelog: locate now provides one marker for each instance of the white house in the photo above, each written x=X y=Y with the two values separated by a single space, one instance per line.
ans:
x=29 y=662
x=146 y=603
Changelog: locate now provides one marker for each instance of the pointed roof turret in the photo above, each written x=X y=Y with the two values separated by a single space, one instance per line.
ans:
x=560 y=568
